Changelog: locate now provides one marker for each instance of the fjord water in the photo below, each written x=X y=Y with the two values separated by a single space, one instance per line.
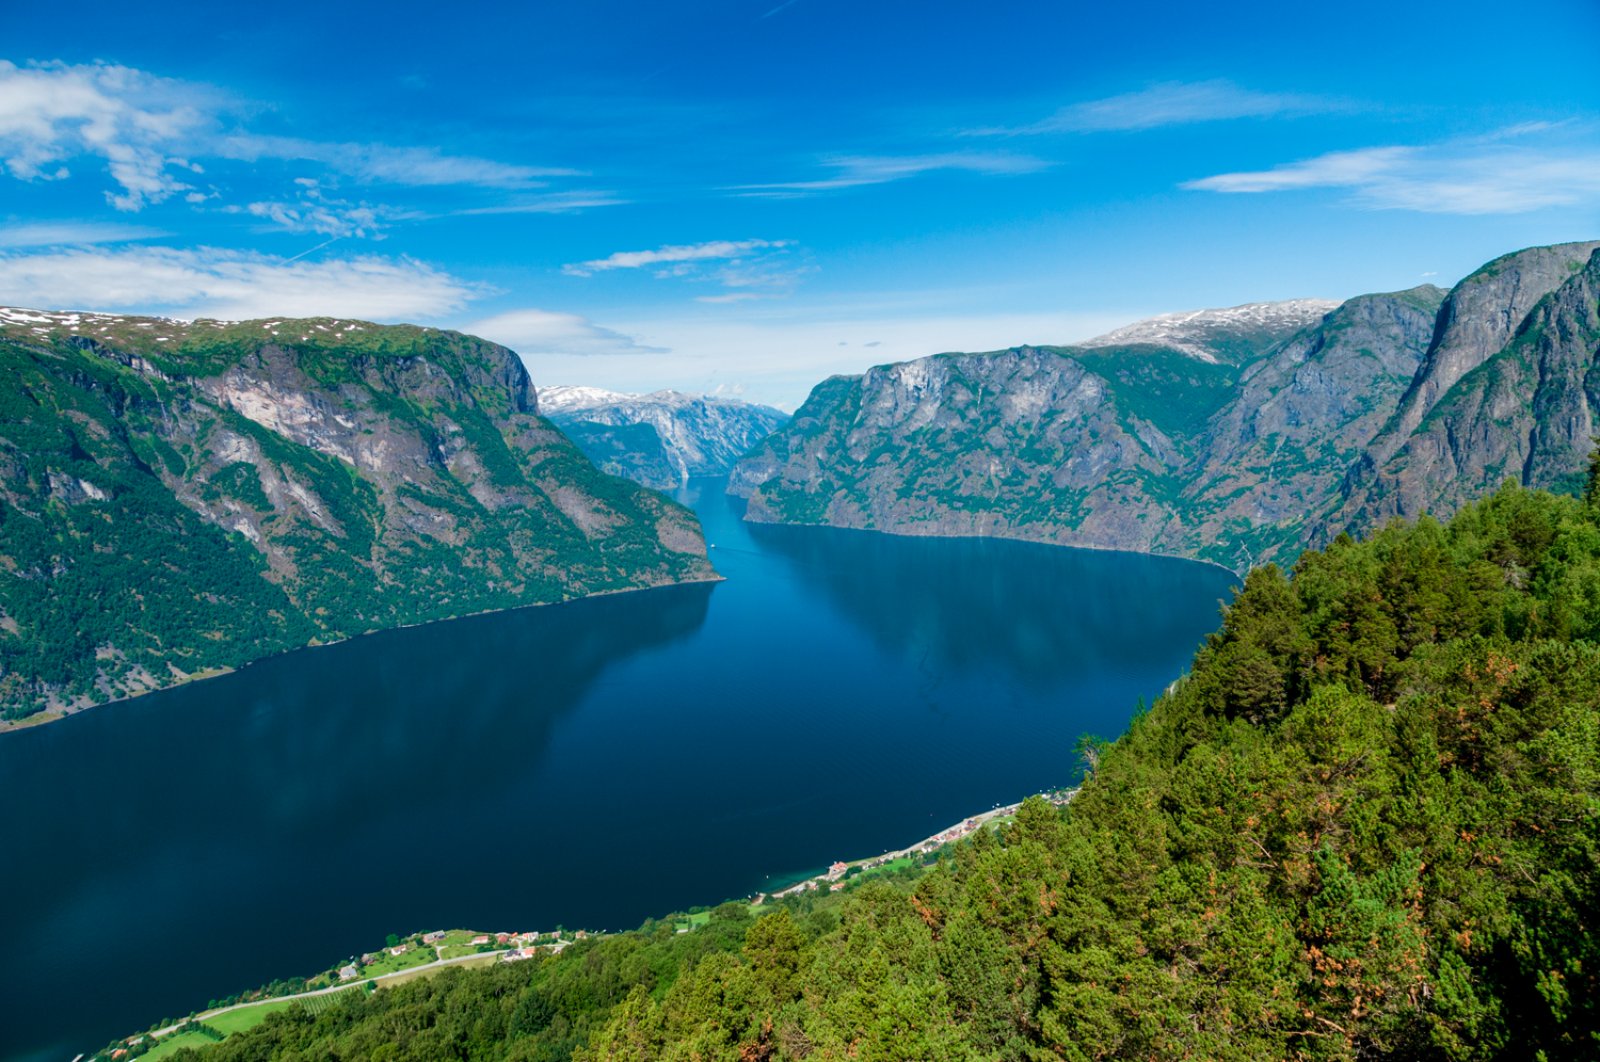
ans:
x=590 y=764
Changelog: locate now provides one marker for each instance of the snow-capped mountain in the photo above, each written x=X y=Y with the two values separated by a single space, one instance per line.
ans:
x=1214 y=335
x=659 y=439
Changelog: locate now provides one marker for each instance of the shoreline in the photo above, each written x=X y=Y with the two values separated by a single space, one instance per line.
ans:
x=834 y=880
x=932 y=843
x=58 y=714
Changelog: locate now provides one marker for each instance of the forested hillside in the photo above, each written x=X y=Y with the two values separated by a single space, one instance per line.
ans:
x=178 y=498
x=1364 y=825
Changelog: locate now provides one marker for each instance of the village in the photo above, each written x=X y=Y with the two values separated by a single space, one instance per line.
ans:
x=839 y=874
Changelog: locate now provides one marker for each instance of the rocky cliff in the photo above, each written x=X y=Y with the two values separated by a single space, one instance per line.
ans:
x=181 y=498
x=1235 y=436
x=663 y=438
x=1504 y=392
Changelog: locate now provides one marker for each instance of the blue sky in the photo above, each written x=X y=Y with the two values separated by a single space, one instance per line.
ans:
x=749 y=196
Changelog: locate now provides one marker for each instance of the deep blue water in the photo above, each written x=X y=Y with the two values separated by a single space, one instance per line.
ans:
x=591 y=764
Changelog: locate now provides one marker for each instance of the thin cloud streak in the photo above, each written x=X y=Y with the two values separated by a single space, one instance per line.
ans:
x=1484 y=176
x=1170 y=103
x=554 y=203
x=73 y=234
x=854 y=171
x=697 y=252
x=383 y=164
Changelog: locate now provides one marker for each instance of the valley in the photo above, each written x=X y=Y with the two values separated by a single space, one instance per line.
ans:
x=632 y=469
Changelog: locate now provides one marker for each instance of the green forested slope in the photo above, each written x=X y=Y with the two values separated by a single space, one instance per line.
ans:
x=1364 y=825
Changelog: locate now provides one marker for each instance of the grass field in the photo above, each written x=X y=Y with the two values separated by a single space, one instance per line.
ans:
x=486 y=960
x=694 y=921
x=248 y=1017
x=385 y=963
x=172 y=1044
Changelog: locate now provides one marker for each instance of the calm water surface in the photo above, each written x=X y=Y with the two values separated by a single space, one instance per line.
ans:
x=590 y=765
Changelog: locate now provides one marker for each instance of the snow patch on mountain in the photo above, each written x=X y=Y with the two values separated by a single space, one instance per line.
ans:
x=1194 y=332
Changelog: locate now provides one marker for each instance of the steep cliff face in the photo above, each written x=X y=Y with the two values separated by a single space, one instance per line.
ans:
x=1389 y=404
x=1501 y=394
x=185 y=497
x=1073 y=446
x=1279 y=449
x=663 y=438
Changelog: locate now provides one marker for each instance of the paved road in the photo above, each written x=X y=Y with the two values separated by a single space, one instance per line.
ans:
x=345 y=987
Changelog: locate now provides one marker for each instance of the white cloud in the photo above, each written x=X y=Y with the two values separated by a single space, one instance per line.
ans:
x=1483 y=176
x=694 y=252
x=72 y=234
x=53 y=113
x=543 y=333
x=206 y=282
x=147 y=132
x=853 y=171
x=1169 y=103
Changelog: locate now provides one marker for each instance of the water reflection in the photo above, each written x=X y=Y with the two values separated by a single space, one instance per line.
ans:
x=1041 y=613
x=291 y=786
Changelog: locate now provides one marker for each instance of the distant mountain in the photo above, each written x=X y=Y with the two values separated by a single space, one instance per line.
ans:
x=659 y=439
x=1235 y=436
x=181 y=498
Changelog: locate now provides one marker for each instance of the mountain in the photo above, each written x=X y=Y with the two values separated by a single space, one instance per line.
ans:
x=1234 y=436
x=663 y=438
x=1509 y=389
x=186 y=497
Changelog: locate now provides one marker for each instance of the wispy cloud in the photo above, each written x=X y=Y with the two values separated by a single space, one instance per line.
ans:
x=534 y=332
x=383 y=164
x=550 y=203
x=730 y=297
x=673 y=253
x=73 y=234
x=316 y=210
x=1169 y=103
x=746 y=269
x=854 y=171
x=158 y=138
x=206 y=282
x=1487 y=175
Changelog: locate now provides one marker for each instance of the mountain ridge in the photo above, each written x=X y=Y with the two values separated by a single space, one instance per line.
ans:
x=1272 y=444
